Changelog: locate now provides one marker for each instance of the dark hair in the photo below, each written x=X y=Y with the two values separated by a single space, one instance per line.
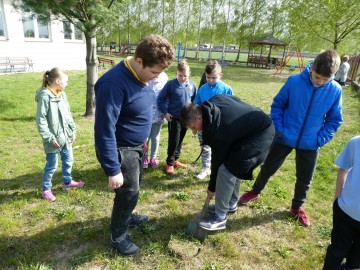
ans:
x=188 y=114
x=327 y=63
x=212 y=67
x=50 y=76
x=155 y=50
x=345 y=58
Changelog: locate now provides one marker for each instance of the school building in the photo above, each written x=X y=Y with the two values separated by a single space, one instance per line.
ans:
x=42 y=44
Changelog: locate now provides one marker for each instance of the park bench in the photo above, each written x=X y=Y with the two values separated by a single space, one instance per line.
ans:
x=13 y=64
x=103 y=61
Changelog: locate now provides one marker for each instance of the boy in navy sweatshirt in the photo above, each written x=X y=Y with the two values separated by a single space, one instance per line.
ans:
x=122 y=125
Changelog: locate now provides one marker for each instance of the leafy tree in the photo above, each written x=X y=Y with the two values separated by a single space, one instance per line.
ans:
x=88 y=16
x=331 y=21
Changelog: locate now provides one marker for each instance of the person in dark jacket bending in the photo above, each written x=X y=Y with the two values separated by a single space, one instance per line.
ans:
x=240 y=137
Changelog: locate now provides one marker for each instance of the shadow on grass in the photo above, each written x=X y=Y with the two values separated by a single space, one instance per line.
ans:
x=88 y=240
x=20 y=118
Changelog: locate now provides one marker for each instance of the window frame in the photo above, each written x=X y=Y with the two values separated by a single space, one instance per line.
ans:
x=74 y=32
x=36 y=23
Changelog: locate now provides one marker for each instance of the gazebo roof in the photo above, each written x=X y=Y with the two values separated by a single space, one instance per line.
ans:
x=268 y=40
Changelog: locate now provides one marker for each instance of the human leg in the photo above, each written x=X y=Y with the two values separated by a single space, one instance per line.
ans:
x=273 y=162
x=49 y=170
x=173 y=140
x=67 y=159
x=155 y=139
x=305 y=168
x=341 y=239
x=227 y=191
x=126 y=198
x=182 y=134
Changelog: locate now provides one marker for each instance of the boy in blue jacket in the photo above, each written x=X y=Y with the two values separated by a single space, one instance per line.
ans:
x=307 y=113
x=213 y=86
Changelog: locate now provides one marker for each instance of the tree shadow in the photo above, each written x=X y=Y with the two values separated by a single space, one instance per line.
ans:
x=20 y=118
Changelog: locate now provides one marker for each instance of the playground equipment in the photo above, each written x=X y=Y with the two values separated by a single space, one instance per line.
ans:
x=287 y=59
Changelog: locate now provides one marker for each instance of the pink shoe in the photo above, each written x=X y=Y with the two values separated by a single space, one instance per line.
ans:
x=154 y=163
x=146 y=163
x=72 y=184
x=48 y=195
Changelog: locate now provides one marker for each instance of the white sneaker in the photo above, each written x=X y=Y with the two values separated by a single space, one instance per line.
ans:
x=203 y=173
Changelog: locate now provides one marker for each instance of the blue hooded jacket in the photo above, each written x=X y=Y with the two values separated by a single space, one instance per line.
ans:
x=306 y=116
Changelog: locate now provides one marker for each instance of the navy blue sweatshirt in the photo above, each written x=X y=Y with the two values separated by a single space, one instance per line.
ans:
x=123 y=115
x=175 y=95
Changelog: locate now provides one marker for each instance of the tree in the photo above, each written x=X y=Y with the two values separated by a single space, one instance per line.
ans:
x=331 y=21
x=89 y=17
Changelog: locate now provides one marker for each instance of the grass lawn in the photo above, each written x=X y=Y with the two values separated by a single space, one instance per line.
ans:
x=73 y=233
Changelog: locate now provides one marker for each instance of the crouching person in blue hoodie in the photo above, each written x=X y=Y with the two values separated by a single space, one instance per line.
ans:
x=240 y=137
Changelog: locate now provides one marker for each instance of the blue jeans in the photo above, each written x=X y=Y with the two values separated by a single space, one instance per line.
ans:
x=67 y=160
x=155 y=139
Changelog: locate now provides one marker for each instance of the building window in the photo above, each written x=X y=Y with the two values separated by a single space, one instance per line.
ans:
x=2 y=24
x=35 y=26
x=71 y=32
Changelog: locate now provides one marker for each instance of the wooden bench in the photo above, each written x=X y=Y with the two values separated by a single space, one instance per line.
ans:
x=11 y=64
x=103 y=61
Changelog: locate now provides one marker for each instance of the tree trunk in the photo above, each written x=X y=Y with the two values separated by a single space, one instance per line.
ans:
x=91 y=74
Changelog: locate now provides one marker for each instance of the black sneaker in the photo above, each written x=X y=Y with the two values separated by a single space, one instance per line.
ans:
x=213 y=223
x=136 y=220
x=125 y=245
x=231 y=211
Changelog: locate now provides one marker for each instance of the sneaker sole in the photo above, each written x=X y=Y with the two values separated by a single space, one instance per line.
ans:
x=230 y=212
x=213 y=229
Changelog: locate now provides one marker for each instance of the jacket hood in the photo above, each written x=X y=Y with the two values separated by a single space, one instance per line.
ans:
x=211 y=120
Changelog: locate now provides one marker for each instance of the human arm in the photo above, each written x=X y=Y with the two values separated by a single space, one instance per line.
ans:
x=280 y=103
x=109 y=101
x=340 y=181
x=42 y=124
x=333 y=120
x=162 y=99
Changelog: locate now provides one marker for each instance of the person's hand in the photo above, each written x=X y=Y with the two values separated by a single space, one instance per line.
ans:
x=210 y=194
x=168 y=117
x=116 y=181
x=55 y=144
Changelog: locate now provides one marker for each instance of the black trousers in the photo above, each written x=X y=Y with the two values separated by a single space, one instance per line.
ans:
x=345 y=241
x=176 y=134
x=305 y=168
x=126 y=197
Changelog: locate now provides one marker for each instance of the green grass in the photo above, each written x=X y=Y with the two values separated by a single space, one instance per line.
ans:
x=72 y=233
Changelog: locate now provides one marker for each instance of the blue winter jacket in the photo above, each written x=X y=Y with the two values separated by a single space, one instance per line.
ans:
x=306 y=116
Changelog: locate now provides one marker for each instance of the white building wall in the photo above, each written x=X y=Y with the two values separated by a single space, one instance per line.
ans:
x=45 y=54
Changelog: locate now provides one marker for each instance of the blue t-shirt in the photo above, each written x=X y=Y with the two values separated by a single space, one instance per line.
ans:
x=349 y=159
x=207 y=91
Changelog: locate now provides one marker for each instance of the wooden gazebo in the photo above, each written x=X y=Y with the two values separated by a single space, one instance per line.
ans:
x=265 y=60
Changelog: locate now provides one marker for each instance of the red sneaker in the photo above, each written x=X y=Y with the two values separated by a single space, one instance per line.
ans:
x=301 y=216
x=169 y=169
x=180 y=165
x=248 y=197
